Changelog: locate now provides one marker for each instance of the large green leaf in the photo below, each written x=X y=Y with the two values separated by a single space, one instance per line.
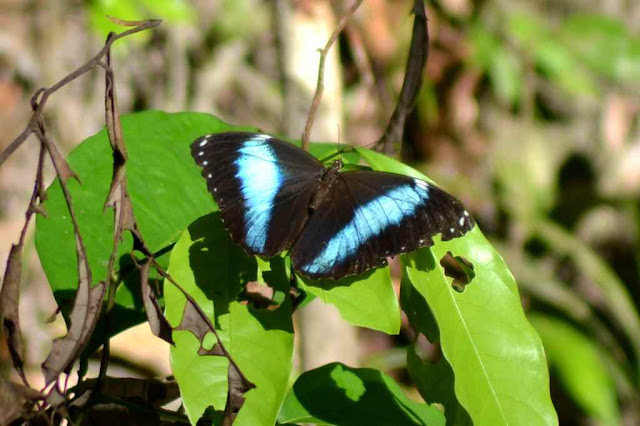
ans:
x=500 y=371
x=577 y=363
x=341 y=395
x=213 y=271
x=166 y=190
x=501 y=375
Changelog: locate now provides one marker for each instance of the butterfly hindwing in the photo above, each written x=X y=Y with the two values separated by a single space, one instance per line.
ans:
x=262 y=185
x=369 y=216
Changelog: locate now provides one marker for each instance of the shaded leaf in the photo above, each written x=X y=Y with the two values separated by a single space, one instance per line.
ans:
x=435 y=384
x=417 y=311
x=341 y=395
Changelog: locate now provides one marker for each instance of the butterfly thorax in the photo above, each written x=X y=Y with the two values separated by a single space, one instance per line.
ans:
x=328 y=180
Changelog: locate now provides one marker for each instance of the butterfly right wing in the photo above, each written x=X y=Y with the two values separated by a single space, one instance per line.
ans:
x=369 y=216
x=262 y=185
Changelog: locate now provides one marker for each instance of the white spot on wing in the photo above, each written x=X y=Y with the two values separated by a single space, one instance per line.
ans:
x=201 y=153
x=205 y=162
x=422 y=184
x=450 y=229
x=461 y=221
x=466 y=213
x=209 y=175
x=203 y=143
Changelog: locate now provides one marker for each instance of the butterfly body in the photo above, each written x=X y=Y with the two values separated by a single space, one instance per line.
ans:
x=273 y=197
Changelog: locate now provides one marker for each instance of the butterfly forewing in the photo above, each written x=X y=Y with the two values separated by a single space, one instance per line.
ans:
x=262 y=185
x=369 y=216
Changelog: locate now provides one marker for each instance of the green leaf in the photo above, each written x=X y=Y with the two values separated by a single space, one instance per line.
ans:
x=581 y=370
x=558 y=61
x=604 y=44
x=435 y=383
x=493 y=350
x=500 y=63
x=417 y=311
x=381 y=162
x=505 y=73
x=366 y=300
x=528 y=29
x=213 y=270
x=496 y=355
x=341 y=395
x=167 y=193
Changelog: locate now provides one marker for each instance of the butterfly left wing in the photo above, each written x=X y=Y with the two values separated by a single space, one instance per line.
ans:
x=262 y=185
x=369 y=216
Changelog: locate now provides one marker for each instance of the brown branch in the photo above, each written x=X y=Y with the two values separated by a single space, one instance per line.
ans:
x=198 y=309
x=418 y=54
x=88 y=300
x=40 y=97
x=315 y=104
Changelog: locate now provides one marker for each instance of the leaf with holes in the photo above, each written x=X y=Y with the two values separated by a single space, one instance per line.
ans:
x=497 y=358
x=214 y=272
x=493 y=350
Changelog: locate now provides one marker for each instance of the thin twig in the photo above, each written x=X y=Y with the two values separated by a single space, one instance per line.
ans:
x=115 y=135
x=198 y=309
x=315 y=104
x=41 y=96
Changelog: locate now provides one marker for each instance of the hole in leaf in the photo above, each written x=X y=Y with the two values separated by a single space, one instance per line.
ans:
x=260 y=296
x=458 y=268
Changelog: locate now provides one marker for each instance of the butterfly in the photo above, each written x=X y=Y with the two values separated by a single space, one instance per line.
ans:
x=274 y=196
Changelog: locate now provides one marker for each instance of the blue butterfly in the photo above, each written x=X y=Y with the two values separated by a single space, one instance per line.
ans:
x=274 y=196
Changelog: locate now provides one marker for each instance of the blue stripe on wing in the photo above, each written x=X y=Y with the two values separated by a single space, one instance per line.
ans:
x=261 y=179
x=370 y=220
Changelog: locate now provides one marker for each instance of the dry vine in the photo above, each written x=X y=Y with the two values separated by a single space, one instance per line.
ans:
x=89 y=299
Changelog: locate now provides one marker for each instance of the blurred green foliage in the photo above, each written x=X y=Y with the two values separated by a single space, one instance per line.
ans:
x=172 y=11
